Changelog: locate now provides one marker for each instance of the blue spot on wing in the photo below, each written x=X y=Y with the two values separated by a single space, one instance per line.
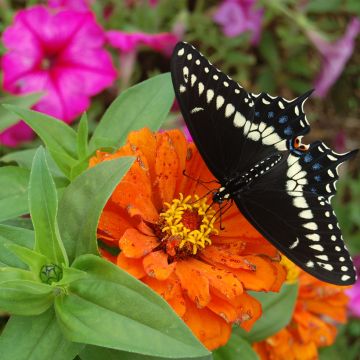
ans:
x=313 y=190
x=270 y=114
x=288 y=130
x=316 y=166
x=283 y=119
x=308 y=158
x=257 y=113
x=317 y=178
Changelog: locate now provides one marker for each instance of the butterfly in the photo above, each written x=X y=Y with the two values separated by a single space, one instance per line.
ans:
x=252 y=144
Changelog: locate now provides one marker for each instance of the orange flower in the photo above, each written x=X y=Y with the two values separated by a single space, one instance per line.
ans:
x=169 y=238
x=319 y=305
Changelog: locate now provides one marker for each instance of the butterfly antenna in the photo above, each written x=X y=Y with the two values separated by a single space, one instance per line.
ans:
x=199 y=181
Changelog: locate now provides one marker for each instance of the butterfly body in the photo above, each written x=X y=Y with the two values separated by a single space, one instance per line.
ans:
x=236 y=184
x=252 y=145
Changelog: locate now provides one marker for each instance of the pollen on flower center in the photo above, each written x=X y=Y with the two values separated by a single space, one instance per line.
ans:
x=190 y=222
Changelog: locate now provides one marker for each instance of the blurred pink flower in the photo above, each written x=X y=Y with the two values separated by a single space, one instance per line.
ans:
x=238 y=16
x=354 y=292
x=60 y=53
x=16 y=134
x=335 y=55
x=79 y=5
x=128 y=42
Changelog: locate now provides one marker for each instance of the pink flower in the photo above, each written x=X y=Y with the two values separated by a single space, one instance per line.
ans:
x=16 y=134
x=60 y=53
x=335 y=55
x=128 y=42
x=354 y=292
x=238 y=16
x=79 y=5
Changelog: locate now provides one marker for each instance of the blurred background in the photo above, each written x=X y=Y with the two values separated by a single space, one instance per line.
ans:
x=283 y=47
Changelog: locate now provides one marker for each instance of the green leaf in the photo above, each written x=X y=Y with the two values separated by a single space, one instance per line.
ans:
x=13 y=192
x=43 y=209
x=91 y=352
x=79 y=168
x=236 y=348
x=82 y=137
x=20 y=294
x=11 y=274
x=14 y=235
x=277 y=312
x=82 y=203
x=35 y=338
x=71 y=274
x=20 y=222
x=24 y=101
x=145 y=104
x=30 y=257
x=129 y=315
x=24 y=158
x=59 y=138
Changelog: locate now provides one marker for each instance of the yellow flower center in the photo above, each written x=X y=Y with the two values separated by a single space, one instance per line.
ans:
x=188 y=224
x=293 y=271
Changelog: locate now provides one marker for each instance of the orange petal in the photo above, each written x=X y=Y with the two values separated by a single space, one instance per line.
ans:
x=216 y=254
x=307 y=351
x=145 y=140
x=156 y=265
x=323 y=307
x=134 y=193
x=166 y=168
x=250 y=310
x=223 y=281
x=262 y=351
x=132 y=266
x=223 y=308
x=180 y=144
x=170 y=290
x=192 y=281
x=134 y=244
x=237 y=226
x=280 y=276
x=209 y=328
x=260 y=246
x=312 y=328
x=261 y=278
x=195 y=168
x=113 y=222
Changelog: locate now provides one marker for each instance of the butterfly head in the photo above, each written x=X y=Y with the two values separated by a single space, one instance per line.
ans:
x=220 y=195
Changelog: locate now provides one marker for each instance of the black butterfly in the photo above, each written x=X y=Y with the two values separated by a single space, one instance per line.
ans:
x=252 y=145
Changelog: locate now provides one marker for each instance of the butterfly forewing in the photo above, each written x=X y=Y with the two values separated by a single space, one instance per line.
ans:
x=211 y=104
x=235 y=132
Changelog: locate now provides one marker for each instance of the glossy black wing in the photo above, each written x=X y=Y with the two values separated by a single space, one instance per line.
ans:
x=232 y=129
x=211 y=102
x=290 y=206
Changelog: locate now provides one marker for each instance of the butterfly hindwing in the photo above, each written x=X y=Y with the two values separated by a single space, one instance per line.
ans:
x=299 y=222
